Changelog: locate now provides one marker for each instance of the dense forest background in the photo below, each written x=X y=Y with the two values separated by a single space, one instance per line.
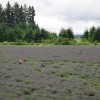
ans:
x=17 y=25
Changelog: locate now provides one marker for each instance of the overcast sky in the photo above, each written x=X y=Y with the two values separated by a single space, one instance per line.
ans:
x=55 y=14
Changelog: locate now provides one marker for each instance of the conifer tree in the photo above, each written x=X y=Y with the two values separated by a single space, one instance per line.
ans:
x=16 y=13
x=8 y=17
x=1 y=13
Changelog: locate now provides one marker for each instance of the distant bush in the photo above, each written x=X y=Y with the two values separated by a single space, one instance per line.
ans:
x=95 y=43
x=47 y=41
x=63 y=41
x=14 y=43
x=83 y=43
x=20 y=43
x=6 y=43
x=58 y=41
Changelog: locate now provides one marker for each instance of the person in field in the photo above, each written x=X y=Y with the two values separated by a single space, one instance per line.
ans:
x=20 y=61
x=42 y=65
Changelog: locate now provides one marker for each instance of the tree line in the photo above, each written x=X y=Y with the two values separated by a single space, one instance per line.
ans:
x=17 y=25
x=16 y=21
x=92 y=34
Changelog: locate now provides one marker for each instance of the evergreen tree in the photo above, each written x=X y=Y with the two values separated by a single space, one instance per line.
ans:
x=44 y=34
x=12 y=17
x=21 y=15
x=70 y=33
x=52 y=36
x=8 y=17
x=1 y=34
x=25 y=10
x=31 y=14
x=16 y=13
x=66 y=33
x=3 y=16
x=1 y=13
x=63 y=33
x=97 y=35
x=92 y=33
x=29 y=37
x=18 y=34
x=37 y=35
x=86 y=34
x=11 y=36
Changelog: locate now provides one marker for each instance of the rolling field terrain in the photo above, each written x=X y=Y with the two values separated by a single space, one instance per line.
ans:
x=69 y=73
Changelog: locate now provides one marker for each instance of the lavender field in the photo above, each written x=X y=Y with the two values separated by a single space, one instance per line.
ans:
x=69 y=73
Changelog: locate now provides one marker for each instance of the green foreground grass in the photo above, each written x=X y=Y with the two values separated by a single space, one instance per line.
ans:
x=78 y=42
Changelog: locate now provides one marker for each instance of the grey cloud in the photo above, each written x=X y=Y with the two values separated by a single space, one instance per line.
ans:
x=53 y=14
